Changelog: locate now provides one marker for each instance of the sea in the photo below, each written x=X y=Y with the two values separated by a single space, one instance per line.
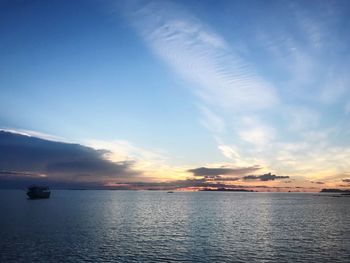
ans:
x=156 y=226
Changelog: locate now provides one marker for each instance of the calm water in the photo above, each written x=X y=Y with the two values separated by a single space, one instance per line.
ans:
x=147 y=226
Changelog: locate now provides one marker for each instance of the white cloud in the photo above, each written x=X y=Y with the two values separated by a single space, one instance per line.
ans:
x=257 y=136
x=121 y=150
x=194 y=51
x=229 y=152
x=255 y=132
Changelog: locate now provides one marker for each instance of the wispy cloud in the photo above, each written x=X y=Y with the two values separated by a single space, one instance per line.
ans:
x=229 y=152
x=255 y=132
x=212 y=121
x=220 y=76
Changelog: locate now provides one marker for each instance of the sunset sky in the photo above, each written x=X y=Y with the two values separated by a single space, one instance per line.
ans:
x=175 y=94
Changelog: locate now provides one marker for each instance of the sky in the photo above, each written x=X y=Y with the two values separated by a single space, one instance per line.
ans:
x=175 y=94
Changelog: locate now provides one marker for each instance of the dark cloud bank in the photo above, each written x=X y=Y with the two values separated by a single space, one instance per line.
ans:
x=264 y=177
x=25 y=160
x=212 y=172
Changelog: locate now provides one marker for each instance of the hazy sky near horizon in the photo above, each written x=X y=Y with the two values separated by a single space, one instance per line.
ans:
x=232 y=88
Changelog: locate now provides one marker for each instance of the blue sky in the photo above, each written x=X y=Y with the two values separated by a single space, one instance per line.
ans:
x=175 y=85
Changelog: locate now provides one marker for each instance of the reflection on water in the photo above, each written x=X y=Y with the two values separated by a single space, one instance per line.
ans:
x=148 y=226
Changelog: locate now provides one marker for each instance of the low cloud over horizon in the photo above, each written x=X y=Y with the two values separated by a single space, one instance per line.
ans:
x=26 y=160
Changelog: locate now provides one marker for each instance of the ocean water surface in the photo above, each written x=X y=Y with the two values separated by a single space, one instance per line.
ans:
x=154 y=226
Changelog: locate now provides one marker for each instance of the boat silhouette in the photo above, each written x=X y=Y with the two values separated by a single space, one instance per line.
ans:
x=38 y=192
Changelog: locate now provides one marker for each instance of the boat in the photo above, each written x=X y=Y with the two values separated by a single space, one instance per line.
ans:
x=38 y=192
